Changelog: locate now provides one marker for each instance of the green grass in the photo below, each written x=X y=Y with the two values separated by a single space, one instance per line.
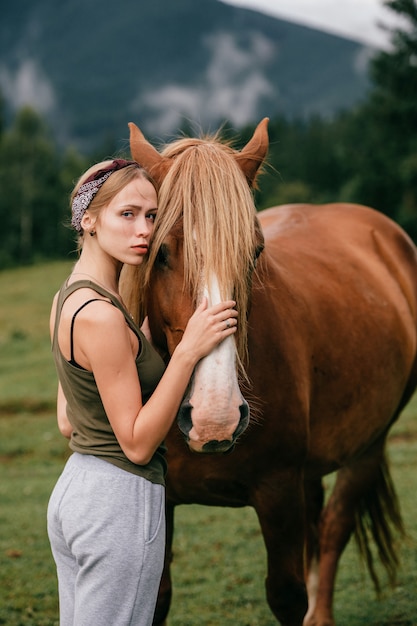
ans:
x=31 y=455
x=27 y=373
x=219 y=562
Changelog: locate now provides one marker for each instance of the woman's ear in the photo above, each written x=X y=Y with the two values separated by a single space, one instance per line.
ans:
x=88 y=222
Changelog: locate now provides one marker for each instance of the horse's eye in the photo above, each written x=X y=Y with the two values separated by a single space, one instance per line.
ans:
x=162 y=256
x=258 y=251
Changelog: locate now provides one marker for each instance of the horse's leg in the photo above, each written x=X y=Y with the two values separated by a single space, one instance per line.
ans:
x=165 y=587
x=279 y=504
x=362 y=489
x=314 y=499
x=336 y=527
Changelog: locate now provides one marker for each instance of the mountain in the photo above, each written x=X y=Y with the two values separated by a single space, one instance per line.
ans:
x=90 y=66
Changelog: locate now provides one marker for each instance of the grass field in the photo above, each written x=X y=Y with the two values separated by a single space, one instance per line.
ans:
x=219 y=564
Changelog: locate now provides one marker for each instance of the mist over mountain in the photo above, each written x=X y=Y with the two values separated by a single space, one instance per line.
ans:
x=90 y=67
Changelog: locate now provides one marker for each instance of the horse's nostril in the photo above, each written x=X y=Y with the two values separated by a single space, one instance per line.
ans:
x=244 y=410
x=184 y=419
x=244 y=419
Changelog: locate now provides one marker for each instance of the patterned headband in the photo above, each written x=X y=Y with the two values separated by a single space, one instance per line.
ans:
x=90 y=187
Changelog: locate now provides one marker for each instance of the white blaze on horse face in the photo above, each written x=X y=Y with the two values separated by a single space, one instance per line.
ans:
x=215 y=395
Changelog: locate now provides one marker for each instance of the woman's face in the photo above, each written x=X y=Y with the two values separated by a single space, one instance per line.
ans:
x=124 y=226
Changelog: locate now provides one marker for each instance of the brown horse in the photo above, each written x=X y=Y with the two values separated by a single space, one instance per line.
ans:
x=326 y=360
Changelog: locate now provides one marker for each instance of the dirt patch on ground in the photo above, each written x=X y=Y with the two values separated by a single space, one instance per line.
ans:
x=26 y=405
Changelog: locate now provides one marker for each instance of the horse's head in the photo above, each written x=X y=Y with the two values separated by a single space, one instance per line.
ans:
x=206 y=241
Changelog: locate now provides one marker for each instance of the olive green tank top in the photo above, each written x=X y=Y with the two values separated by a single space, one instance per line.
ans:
x=92 y=432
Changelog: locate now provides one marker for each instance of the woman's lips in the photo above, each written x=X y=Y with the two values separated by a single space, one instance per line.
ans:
x=142 y=249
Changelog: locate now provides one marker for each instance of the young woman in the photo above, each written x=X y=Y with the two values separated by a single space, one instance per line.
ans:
x=116 y=403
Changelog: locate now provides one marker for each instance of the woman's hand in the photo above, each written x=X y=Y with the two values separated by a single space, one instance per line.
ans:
x=208 y=326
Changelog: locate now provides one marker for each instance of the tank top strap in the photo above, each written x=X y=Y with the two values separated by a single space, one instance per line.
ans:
x=66 y=290
x=72 y=359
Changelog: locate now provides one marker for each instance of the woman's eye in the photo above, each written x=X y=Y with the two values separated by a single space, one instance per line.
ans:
x=151 y=216
x=127 y=213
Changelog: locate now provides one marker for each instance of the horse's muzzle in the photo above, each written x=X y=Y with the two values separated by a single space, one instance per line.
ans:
x=212 y=446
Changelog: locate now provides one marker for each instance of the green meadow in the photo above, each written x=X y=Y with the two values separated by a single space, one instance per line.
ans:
x=219 y=561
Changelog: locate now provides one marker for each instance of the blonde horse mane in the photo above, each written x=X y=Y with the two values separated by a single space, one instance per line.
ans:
x=207 y=192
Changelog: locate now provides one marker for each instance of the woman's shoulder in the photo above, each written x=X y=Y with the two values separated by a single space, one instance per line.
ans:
x=90 y=304
x=91 y=308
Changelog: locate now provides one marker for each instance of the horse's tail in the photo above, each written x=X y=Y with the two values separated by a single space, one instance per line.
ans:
x=378 y=517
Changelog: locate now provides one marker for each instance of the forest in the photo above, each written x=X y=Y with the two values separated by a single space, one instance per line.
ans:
x=367 y=154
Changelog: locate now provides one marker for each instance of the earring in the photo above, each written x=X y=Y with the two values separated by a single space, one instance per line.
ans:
x=92 y=233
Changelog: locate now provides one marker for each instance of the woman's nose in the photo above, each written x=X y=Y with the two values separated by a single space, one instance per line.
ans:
x=142 y=227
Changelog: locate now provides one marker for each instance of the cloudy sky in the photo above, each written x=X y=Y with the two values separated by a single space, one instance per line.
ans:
x=356 y=19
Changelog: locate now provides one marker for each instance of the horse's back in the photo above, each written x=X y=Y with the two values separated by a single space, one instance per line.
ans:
x=332 y=235
x=335 y=222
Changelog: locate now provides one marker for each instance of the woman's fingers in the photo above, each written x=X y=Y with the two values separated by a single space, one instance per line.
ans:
x=229 y=322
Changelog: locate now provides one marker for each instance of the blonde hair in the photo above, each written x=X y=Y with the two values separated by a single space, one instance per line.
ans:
x=206 y=189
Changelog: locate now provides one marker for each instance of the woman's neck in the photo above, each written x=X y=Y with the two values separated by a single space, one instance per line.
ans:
x=109 y=279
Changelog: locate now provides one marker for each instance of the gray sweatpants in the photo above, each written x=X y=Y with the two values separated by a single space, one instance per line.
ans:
x=107 y=533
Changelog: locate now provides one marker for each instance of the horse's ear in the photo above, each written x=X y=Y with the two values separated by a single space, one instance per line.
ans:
x=146 y=155
x=251 y=157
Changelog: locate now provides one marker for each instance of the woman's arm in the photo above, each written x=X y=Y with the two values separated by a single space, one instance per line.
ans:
x=103 y=338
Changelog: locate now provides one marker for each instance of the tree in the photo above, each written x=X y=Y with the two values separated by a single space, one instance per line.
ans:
x=394 y=75
x=392 y=111
x=34 y=187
